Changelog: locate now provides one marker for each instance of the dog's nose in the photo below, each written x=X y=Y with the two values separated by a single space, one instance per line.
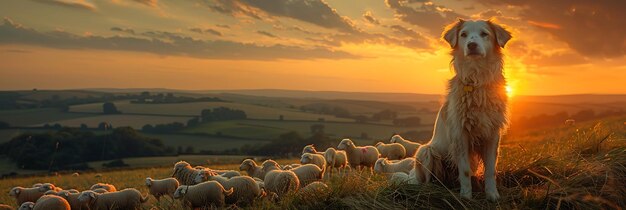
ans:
x=472 y=45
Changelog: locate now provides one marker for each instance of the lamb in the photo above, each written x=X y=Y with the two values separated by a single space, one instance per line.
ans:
x=393 y=151
x=161 y=187
x=403 y=178
x=308 y=173
x=245 y=188
x=279 y=181
x=310 y=149
x=291 y=166
x=252 y=169
x=107 y=187
x=335 y=159
x=317 y=159
x=411 y=147
x=185 y=174
x=51 y=202
x=72 y=199
x=383 y=165
x=314 y=191
x=129 y=198
x=31 y=194
x=205 y=194
x=359 y=156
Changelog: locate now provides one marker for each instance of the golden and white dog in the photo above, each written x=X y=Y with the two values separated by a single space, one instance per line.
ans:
x=470 y=122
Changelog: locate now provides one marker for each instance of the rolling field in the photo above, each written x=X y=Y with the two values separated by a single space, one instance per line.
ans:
x=207 y=143
x=119 y=120
x=573 y=167
x=33 y=117
x=194 y=109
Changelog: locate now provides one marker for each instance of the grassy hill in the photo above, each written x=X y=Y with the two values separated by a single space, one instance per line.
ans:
x=571 y=167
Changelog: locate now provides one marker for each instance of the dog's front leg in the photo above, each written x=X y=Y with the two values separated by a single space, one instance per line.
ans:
x=490 y=157
x=465 y=172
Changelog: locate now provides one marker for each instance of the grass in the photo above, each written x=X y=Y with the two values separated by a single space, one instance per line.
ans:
x=31 y=117
x=576 y=167
x=118 y=120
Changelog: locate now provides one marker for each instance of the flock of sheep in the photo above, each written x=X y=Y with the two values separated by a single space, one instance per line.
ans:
x=200 y=187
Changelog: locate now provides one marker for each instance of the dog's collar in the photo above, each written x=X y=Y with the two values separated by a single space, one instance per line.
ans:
x=468 y=88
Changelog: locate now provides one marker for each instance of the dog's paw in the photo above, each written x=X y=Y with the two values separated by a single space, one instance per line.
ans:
x=493 y=196
x=467 y=194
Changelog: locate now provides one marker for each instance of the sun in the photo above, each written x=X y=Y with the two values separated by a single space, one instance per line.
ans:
x=509 y=91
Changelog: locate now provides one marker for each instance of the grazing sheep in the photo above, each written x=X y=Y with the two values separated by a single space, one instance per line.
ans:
x=291 y=166
x=393 y=151
x=279 y=181
x=72 y=199
x=259 y=182
x=245 y=188
x=227 y=173
x=411 y=147
x=51 y=202
x=316 y=159
x=6 y=207
x=27 y=206
x=185 y=174
x=310 y=149
x=383 y=165
x=31 y=194
x=335 y=159
x=107 y=187
x=308 y=173
x=100 y=190
x=252 y=168
x=315 y=189
x=359 y=156
x=129 y=198
x=161 y=187
x=205 y=194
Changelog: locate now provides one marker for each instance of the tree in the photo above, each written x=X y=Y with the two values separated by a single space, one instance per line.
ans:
x=193 y=122
x=104 y=126
x=147 y=128
x=189 y=150
x=109 y=108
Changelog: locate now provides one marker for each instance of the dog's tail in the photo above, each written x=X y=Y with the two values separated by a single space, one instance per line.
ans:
x=428 y=163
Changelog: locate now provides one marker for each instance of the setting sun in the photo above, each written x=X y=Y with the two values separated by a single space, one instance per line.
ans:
x=509 y=91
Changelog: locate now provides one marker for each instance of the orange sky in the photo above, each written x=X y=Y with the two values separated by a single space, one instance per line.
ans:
x=376 y=46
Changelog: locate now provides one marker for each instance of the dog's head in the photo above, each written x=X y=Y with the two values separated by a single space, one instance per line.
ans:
x=476 y=39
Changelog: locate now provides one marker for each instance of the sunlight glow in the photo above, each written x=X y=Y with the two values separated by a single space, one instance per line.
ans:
x=509 y=91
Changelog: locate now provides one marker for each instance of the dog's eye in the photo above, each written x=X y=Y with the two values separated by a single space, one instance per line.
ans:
x=483 y=34
x=463 y=35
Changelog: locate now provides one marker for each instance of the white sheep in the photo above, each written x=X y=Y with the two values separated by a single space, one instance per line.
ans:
x=291 y=166
x=129 y=198
x=72 y=198
x=359 y=156
x=279 y=181
x=161 y=187
x=310 y=149
x=100 y=190
x=51 y=202
x=23 y=194
x=185 y=174
x=227 y=173
x=252 y=168
x=27 y=206
x=335 y=159
x=383 y=165
x=245 y=188
x=316 y=159
x=314 y=191
x=308 y=173
x=205 y=194
x=411 y=147
x=398 y=178
x=393 y=151
x=107 y=187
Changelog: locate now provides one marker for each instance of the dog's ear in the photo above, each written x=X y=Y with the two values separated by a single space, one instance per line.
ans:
x=502 y=35
x=451 y=32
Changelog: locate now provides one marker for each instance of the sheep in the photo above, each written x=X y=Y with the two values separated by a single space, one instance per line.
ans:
x=359 y=156
x=27 y=206
x=279 y=181
x=37 y=184
x=161 y=187
x=315 y=191
x=308 y=173
x=227 y=173
x=310 y=149
x=383 y=165
x=245 y=188
x=403 y=178
x=51 y=202
x=72 y=199
x=107 y=187
x=317 y=159
x=100 y=190
x=291 y=166
x=393 y=151
x=335 y=159
x=259 y=182
x=185 y=174
x=205 y=194
x=6 y=207
x=129 y=198
x=75 y=174
x=409 y=146
x=252 y=169
x=31 y=194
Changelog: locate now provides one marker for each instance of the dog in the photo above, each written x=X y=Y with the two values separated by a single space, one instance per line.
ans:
x=474 y=115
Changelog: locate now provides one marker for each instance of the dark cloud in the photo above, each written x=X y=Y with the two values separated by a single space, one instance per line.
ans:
x=591 y=28
x=535 y=57
x=162 y=43
x=125 y=30
x=265 y=33
x=427 y=15
x=370 y=18
x=315 y=12
x=76 y=4
x=152 y=3
x=206 y=31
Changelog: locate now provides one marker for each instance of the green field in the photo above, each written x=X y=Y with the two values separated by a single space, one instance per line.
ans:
x=32 y=117
x=208 y=143
x=119 y=120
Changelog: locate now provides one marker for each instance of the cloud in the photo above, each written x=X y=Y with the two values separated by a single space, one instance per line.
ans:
x=222 y=25
x=370 y=18
x=591 y=28
x=76 y=4
x=163 y=43
x=208 y=30
x=152 y=3
x=316 y=12
x=265 y=33
x=125 y=30
x=427 y=15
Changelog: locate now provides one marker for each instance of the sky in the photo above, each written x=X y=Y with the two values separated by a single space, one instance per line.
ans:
x=558 y=46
